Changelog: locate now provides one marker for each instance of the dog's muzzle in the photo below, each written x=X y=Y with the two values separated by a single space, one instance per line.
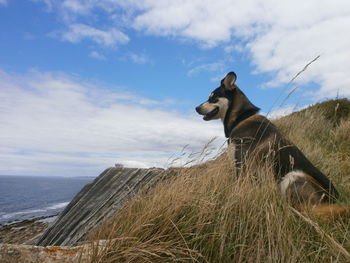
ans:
x=207 y=115
x=198 y=110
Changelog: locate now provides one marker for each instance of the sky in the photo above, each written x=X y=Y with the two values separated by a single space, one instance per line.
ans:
x=85 y=84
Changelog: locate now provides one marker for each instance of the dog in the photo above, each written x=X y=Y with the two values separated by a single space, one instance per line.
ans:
x=254 y=136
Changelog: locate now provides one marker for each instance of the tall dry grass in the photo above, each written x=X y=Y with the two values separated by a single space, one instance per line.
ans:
x=322 y=132
x=214 y=213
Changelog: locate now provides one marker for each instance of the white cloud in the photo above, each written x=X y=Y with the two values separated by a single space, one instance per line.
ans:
x=234 y=48
x=208 y=67
x=139 y=58
x=280 y=36
x=97 y=55
x=54 y=124
x=75 y=6
x=279 y=112
x=109 y=38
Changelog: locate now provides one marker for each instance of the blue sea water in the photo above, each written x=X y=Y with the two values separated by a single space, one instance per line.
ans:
x=26 y=197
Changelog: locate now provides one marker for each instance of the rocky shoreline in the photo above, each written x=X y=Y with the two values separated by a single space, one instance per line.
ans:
x=64 y=238
x=26 y=231
x=17 y=244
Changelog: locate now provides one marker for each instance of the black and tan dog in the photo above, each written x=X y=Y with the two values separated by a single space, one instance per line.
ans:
x=254 y=135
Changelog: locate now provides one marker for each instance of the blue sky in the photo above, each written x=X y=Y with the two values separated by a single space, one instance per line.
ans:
x=85 y=84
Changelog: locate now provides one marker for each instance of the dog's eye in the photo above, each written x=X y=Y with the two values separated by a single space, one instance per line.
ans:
x=213 y=100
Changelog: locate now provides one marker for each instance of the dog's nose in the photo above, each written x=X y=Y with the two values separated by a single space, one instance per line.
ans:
x=198 y=109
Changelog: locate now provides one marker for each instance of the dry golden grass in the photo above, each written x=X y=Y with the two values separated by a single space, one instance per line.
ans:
x=213 y=213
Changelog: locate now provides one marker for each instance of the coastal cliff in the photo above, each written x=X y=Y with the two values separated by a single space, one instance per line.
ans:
x=99 y=201
x=96 y=202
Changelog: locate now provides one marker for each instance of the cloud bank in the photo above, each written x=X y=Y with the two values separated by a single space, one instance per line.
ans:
x=53 y=123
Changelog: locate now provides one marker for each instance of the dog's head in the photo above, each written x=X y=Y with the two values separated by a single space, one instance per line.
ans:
x=219 y=100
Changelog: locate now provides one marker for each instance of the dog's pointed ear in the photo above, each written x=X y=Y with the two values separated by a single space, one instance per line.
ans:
x=229 y=80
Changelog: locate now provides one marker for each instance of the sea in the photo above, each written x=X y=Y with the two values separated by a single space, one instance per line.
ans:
x=28 y=197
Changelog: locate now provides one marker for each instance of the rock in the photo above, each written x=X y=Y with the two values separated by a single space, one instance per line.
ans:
x=24 y=232
x=11 y=253
x=99 y=201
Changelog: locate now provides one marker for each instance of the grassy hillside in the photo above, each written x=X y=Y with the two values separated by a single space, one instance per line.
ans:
x=209 y=213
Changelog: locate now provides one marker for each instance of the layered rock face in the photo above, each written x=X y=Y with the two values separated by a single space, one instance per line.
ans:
x=98 y=202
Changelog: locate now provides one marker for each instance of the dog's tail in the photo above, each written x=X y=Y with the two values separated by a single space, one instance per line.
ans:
x=330 y=211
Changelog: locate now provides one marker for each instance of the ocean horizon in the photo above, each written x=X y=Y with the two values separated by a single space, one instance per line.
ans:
x=26 y=197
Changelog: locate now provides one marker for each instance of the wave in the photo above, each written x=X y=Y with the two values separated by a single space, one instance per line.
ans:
x=25 y=212
x=32 y=212
x=57 y=206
